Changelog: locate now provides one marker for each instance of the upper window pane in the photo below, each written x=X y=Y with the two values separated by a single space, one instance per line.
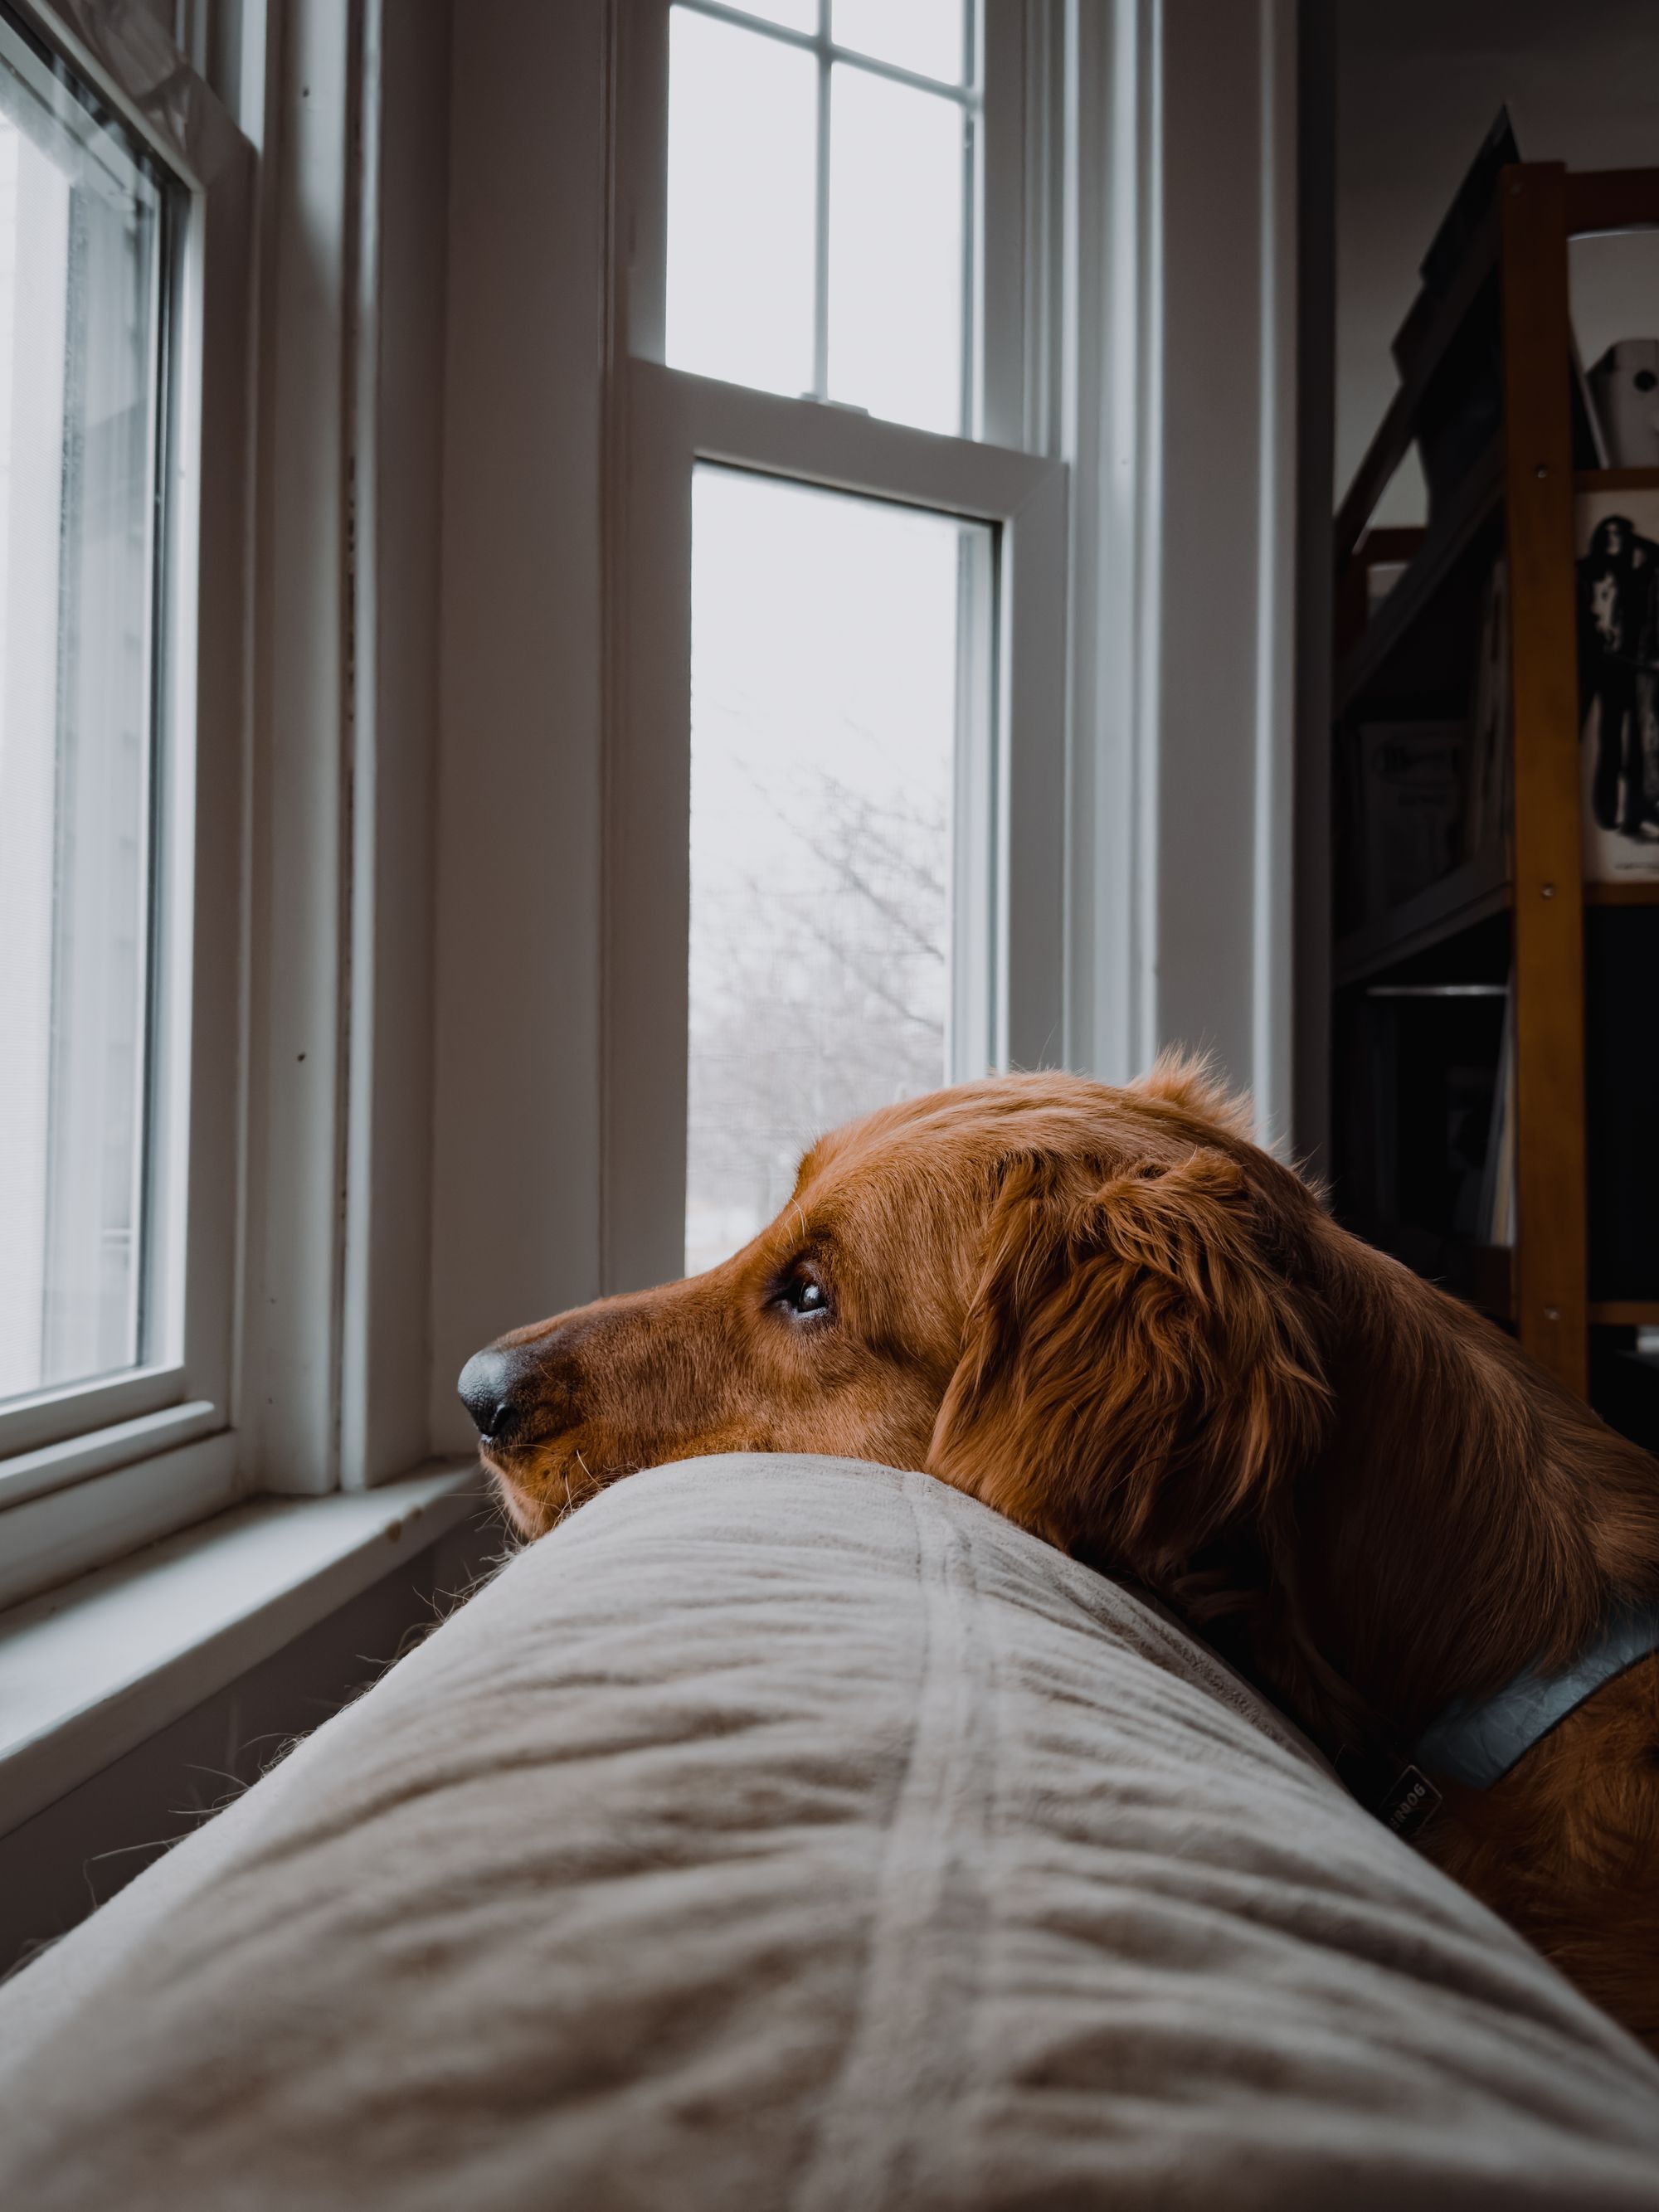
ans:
x=840 y=675
x=792 y=14
x=896 y=203
x=81 y=245
x=743 y=124
x=927 y=36
x=844 y=271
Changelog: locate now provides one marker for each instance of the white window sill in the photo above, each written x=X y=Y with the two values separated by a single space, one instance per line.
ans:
x=89 y=1670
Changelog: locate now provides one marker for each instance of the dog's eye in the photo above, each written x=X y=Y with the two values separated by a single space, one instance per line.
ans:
x=805 y=1296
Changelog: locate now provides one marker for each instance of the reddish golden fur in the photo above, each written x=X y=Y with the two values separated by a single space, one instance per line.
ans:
x=1109 y=1315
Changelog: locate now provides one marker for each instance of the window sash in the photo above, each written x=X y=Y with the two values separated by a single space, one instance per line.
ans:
x=1010 y=935
x=1003 y=297
x=74 y=1409
x=968 y=97
x=63 y=1449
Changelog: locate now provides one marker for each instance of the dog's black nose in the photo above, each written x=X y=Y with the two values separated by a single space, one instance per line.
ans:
x=486 y=1389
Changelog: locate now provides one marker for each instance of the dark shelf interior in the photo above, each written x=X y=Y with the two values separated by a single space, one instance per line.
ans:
x=1625 y=1387
x=1419 y=1078
x=1431 y=608
x=1621 y=1094
x=1473 y=892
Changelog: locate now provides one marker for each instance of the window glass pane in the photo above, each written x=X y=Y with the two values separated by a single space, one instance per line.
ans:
x=742 y=170
x=926 y=36
x=896 y=339
x=793 y=15
x=831 y=677
x=80 y=299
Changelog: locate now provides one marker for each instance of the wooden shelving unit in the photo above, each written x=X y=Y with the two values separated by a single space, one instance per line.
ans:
x=1518 y=910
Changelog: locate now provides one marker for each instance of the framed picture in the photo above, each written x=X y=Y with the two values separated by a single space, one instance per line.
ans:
x=1617 y=549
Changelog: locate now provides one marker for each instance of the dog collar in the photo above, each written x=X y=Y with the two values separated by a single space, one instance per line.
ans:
x=1478 y=1744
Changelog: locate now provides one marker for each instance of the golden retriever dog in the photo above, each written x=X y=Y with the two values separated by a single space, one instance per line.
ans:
x=1109 y=1315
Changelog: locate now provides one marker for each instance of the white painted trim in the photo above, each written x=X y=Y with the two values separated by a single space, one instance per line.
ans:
x=56 y=1466
x=121 y=48
x=638 y=159
x=347 y=711
x=835 y=446
x=1000 y=222
x=369 y=786
x=87 y=1673
x=1109 y=431
x=50 y=1417
x=397 y=428
x=53 y=1539
x=290 y=1396
x=1031 y=749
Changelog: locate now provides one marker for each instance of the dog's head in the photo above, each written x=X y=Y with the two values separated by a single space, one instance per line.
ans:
x=1109 y=1315
x=1092 y=1308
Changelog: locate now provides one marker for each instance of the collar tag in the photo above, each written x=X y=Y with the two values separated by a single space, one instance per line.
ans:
x=1391 y=1788
x=1409 y=1803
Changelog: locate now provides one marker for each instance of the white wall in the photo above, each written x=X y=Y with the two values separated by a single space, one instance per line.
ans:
x=515 y=1219
x=1418 y=83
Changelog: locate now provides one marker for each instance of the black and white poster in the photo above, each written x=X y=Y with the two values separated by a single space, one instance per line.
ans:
x=1619 y=682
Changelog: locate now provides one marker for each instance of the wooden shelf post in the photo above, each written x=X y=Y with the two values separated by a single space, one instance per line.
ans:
x=1550 y=1258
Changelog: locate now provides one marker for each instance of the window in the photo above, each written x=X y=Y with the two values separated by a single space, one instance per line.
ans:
x=83 y=225
x=124 y=204
x=836 y=854
x=821 y=203
x=840 y=687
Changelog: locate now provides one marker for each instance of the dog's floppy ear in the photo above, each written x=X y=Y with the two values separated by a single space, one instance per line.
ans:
x=1136 y=1372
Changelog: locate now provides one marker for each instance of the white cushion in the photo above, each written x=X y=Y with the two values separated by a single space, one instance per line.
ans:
x=796 y=1832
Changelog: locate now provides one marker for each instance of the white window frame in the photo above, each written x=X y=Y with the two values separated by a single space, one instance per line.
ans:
x=89 y=1470
x=663 y=423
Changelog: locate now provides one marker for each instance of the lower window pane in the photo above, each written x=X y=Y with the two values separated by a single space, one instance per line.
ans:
x=839 y=676
x=80 y=265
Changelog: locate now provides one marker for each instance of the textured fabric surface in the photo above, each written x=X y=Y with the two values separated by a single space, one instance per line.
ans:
x=795 y=1832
